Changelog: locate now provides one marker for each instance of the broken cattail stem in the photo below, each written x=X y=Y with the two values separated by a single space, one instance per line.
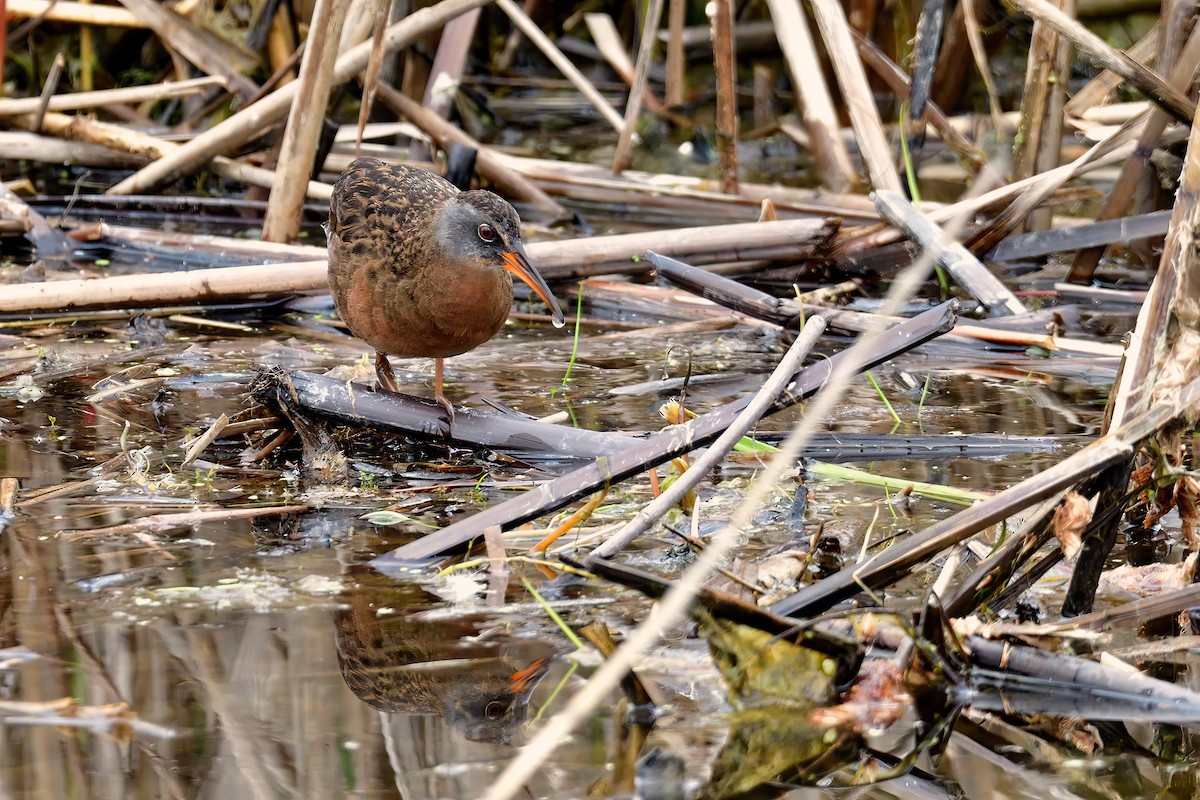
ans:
x=370 y=80
x=249 y=122
x=860 y=102
x=305 y=120
x=48 y=90
x=637 y=91
x=812 y=95
x=727 y=111
x=675 y=59
x=104 y=97
x=1123 y=188
x=559 y=59
x=507 y=181
x=716 y=452
x=1039 y=134
x=555 y=260
x=1107 y=56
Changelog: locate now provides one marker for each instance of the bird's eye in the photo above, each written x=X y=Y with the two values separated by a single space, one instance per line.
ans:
x=487 y=233
x=494 y=709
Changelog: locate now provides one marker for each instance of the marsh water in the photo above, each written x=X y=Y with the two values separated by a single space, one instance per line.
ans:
x=261 y=658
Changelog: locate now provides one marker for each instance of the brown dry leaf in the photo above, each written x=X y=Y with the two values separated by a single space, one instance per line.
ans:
x=1071 y=731
x=971 y=626
x=672 y=412
x=1152 y=578
x=63 y=706
x=782 y=569
x=1187 y=498
x=1141 y=474
x=767 y=211
x=876 y=700
x=1083 y=737
x=1070 y=520
x=1161 y=502
x=1079 y=734
x=1032 y=633
x=902 y=501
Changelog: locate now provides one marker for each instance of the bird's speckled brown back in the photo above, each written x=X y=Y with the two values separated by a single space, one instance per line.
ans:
x=375 y=203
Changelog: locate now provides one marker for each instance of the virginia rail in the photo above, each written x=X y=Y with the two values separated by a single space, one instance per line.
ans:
x=401 y=664
x=418 y=268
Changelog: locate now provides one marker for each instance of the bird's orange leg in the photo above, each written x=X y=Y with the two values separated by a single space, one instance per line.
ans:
x=383 y=371
x=437 y=389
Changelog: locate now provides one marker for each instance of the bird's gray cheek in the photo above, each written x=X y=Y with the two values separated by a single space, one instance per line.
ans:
x=455 y=251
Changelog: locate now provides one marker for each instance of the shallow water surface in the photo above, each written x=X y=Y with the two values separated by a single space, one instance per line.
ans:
x=259 y=657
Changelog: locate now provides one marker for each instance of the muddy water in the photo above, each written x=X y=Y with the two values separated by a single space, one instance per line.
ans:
x=259 y=659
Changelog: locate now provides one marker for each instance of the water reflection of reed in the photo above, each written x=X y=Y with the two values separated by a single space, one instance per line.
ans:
x=258 y=700
x=254 y=700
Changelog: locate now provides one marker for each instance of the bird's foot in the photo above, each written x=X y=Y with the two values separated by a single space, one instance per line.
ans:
x=446 y=404
x=383 y=371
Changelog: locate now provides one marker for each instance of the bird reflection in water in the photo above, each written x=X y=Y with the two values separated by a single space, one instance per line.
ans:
x=398 y=662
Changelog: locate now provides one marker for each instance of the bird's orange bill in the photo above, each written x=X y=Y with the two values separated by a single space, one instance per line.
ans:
x=521 y=679
x=516 y=263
